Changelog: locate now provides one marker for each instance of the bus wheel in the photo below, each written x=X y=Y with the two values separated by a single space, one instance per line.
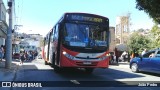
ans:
x=89 y=70
x=53 y=60
x=45 y=62
x=57 y=69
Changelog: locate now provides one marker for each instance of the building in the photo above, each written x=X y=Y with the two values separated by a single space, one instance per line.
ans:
x=112 y=39
x=3 y=24
x=122 y=29
x=122 y=32
x=26 y=40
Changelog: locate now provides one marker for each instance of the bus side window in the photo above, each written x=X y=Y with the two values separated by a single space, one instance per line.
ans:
x=158 y=54
x=56 y=32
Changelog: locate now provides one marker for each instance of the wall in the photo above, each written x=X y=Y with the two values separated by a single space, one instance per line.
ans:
x=3 y=25
x=112 y=39
x=2 y=11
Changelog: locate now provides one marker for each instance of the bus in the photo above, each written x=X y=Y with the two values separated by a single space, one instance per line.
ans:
x=78 y=40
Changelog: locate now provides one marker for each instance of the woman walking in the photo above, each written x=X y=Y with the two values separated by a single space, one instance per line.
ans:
x=23 y=57
x=1 y=52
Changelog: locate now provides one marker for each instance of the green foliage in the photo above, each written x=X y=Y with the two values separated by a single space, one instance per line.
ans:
x=138 y=42
x=155 y=36
x=151 y=7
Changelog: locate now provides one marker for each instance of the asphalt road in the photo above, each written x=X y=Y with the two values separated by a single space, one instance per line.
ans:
x=113 y=78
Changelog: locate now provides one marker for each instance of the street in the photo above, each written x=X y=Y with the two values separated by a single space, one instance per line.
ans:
x=114 y=77
x=79 y=33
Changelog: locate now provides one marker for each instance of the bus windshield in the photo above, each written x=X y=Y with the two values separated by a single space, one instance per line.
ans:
x=84 y=35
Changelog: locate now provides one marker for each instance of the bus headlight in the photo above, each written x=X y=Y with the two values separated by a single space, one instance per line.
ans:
x=68 y=55
x=103 y=58
x=64 y=53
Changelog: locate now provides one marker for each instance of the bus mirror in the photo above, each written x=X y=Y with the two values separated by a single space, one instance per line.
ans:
x=44 y=38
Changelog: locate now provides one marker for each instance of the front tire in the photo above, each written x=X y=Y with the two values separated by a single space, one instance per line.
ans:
x=134 y=67
x=53 y=60
x=45 y=63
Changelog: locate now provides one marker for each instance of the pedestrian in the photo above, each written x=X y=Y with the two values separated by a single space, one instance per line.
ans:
x=143 y=52
x=124 y=55
x=26 y=55
x=1 y=52
x=112 y=57
x=4 y=51
x=29 y=56
x=22 y=50
x=23 y=57
x=117 y=55
x=129 y=57
x=111 y=60
x=134 y=54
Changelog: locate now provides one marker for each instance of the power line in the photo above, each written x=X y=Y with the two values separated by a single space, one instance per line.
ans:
x=17 y=12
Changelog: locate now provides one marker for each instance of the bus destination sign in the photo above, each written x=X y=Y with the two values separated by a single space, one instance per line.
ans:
x=85 y=18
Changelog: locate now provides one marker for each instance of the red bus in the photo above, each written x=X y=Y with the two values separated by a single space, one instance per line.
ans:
x=78 y=40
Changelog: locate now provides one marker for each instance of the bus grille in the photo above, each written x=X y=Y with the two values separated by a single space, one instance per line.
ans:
x=86 y=58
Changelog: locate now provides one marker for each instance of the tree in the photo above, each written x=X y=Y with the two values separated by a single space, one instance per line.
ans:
x=138 y=42
x=151 y=7
x=155 y=36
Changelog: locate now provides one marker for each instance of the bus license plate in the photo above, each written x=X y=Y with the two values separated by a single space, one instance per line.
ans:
x=87 y=62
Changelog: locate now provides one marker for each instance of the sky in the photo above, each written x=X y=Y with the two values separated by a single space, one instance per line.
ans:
x=39 y=16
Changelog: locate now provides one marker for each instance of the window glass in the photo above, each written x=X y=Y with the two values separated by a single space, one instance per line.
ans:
x=147 y=55
x=85 y=35
x=158 y=54
x=56 y=32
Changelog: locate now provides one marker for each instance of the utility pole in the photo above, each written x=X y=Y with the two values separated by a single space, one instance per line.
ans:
x=9 y=38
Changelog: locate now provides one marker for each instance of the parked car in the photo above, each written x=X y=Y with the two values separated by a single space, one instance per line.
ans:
x=16 y=56
x=149 y=62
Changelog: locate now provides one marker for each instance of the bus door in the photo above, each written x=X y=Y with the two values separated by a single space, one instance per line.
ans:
x=57 y=44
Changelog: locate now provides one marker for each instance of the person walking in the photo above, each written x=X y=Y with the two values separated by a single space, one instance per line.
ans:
x=144 y=51
x=117 y=55
x=23 y=57
x=4 y=51
x=134 y=54
x=1 y=52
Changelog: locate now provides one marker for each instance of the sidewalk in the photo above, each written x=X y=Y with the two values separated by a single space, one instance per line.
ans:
x=8 y=74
